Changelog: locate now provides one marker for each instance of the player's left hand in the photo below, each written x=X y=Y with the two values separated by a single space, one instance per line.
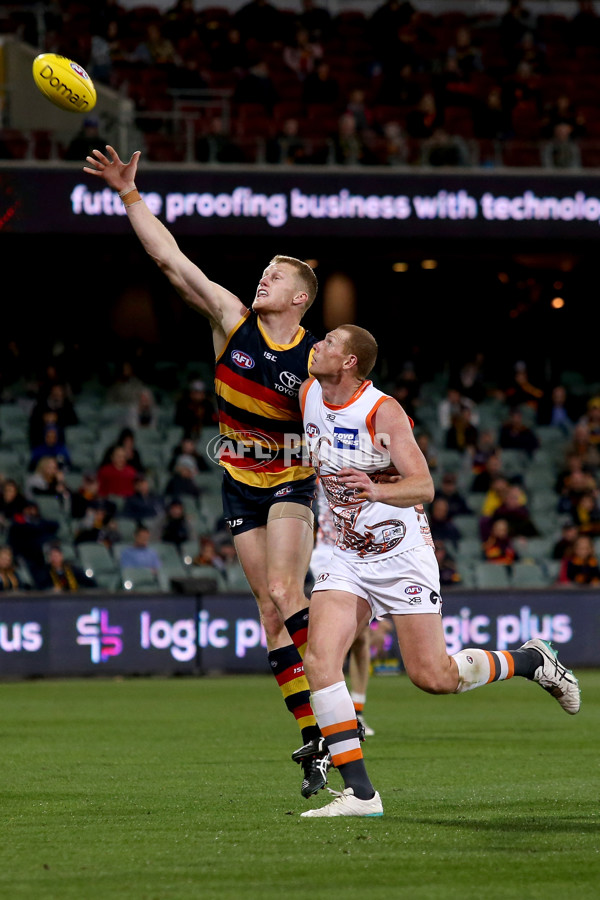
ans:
x=359 y=482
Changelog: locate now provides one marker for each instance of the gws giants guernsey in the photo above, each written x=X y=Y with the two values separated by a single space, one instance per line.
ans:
x=256 y=385
x=340 y=436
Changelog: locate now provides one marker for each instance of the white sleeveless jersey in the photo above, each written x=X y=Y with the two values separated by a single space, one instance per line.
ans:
x=339 y=436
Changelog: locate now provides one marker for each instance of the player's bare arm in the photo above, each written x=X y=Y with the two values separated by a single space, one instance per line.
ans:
x=219 y=305
x=413 y=484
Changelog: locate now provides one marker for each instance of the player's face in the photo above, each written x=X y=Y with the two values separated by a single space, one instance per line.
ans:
x=276 y=289
x=329 y=354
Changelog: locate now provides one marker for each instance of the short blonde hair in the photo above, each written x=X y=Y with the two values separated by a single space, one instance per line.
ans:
x=363 y=345
x=306 y=275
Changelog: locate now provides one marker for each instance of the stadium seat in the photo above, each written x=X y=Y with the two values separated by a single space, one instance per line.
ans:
x=467 y=525
x=528 y=575
x=140 y=579
x=208 y=573
x=491 y=575
x=236 y=579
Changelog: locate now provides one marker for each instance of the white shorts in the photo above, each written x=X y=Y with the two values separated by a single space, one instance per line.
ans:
x=407 y=583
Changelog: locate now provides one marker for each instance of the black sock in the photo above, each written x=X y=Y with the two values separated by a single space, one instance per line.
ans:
x=355 y=776
x=527 y=661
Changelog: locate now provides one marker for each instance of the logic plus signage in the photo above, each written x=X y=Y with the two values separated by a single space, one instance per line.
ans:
x=301 y=203
x=135 y=634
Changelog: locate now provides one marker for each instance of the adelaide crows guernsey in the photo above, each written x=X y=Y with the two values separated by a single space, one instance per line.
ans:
x=256 y=386
x=340 y=436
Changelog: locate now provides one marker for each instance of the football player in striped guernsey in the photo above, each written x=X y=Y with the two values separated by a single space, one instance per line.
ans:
x=262 y=357
x=383 y=563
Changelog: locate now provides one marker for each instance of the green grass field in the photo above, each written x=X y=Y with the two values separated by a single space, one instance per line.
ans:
x=151 y=789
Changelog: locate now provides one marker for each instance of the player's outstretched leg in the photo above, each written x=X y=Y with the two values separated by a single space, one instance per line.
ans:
x=554 y=677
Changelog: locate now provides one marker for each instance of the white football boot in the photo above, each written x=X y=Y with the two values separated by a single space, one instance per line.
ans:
x=555 y=678
x=346 y=804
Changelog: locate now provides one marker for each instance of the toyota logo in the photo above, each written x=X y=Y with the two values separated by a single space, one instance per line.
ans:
x=290 y=380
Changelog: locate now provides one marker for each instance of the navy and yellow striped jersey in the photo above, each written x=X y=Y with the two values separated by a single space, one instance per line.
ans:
x=256 y=385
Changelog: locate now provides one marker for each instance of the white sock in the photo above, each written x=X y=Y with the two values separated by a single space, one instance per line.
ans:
x=335 y=713
x=478 y=667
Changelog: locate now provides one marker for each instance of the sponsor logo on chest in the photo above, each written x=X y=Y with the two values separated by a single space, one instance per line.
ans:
x=288 y=384
x=345 y=438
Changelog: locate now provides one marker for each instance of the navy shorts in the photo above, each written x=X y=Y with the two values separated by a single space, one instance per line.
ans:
x=246 y=507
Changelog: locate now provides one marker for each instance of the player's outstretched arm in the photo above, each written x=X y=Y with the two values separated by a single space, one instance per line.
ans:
x=414 y=483
x=221 y=306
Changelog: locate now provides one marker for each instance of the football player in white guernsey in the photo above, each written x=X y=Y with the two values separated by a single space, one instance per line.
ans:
x=383 y=562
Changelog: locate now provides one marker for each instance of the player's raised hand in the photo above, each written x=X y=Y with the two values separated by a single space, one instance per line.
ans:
x=117 y=174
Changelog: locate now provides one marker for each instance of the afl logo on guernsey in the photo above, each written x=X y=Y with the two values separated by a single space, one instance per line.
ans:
x=242 y=359
x=312 y=430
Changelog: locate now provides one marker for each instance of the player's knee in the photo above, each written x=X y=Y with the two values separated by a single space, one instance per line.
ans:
x=282 y=590
x=432 y=680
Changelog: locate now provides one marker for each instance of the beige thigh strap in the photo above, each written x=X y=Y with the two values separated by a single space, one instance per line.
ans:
x=287 y=510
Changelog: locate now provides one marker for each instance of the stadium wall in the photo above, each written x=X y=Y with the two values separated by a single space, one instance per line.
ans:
x=110 y=635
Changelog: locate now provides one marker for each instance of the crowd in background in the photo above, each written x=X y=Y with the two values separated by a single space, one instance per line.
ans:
x=113 y=483
x=387 y=85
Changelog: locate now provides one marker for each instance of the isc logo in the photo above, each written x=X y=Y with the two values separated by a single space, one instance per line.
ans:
x=242 y=359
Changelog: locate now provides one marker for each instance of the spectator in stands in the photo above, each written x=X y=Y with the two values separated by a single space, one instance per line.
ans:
x=498 y=547
x=182 y=483
x=587 y=513
x=302 y=54
x=116 y=477
x=48 y=480
x=422 y=121
x=515 y=512
x=486 y=481
x=60 y=409
x=287 y=147
x=490 y=119
x=207 y=554
x=176 y=527
x=562 y=111
x=216 y=144
x=441 y=524
x=568 y=535
x=428 y=448
x=143 y=414
x=188 y=447
x=140 y=555
x=463 y=433
x=62 y=576
x=86 y=497
x=180 y=20
x=575 y=485
x=84 y=141
x=320 y=86
x=396 y=150
x=144 y=503
x=230 y=54
x=581 y=565
x=515 y=434
x=449 y=573
x=591 y=419
x=257 y=86
x=464 y=52
x=10 y=578
x=53 y=445
x=495 y=496
x=452 y=405
x=349 y=146
x=556 y=409
x=126 y=385
x=520 y=391
x=582 y=445
x=12 y=501
x=449 y=491
x=156 y=49
x=515 y=22
x=195 y=410
x=98 y=526
x=125 y=440
x=27 y=535
x=444 y=149
x=561 y=151
x=485 y=448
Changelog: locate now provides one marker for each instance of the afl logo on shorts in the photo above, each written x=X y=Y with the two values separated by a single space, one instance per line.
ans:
x=413 y=589
x=242 y=359
x=312 y=430
x=284 y=491
x=322 y=577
